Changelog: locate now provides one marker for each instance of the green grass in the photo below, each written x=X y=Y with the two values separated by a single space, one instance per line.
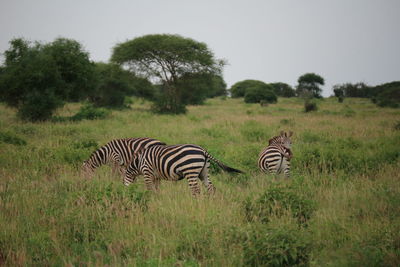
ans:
x=340 y=208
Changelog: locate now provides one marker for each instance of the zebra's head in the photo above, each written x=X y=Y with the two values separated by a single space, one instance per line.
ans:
x=282 y=139
x=87 y=169
x=134 y=166
x=285 y=139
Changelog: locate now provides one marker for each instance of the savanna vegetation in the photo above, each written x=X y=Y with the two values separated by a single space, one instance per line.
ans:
x=340 y=208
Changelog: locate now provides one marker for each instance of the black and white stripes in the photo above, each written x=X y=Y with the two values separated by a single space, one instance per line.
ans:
x=275 y=158
x=173 y=163
x=118 y=153
x=156 y=161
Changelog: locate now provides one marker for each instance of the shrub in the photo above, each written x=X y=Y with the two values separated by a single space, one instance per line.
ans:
x=12 y=139
x=260 y=93
x=389 y=97
x=164 y=104
x=282 y=246
x=310 y=105
x=239 y=89
x=277 y=201
x=197 y=87
x=88 y=112
x=114 y=83
x=397 y=126
x=283 y=89
x=37 y=79
x=39 y=106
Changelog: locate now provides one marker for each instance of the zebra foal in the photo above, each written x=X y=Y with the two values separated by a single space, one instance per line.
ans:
x=117 y=153
x=275 y=158
x=174 y=163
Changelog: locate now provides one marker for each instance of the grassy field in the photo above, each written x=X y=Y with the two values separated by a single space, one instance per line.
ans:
x=340 y=208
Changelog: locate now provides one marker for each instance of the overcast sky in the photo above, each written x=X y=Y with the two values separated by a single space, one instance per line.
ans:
x=273 y=41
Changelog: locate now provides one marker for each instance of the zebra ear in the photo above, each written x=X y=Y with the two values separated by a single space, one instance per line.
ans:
x=283 y=133
x=290 y=133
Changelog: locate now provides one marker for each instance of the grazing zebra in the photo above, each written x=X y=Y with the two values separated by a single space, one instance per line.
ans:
x=173 y=163
x=118 y=153
x=275 y=158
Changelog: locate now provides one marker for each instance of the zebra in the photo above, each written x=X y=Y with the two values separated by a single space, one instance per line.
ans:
x=275 y=158
x=117 y=153
x=174 y=163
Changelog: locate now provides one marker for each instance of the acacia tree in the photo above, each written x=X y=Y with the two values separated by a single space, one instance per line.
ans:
x=309 y=85
x=165 y=58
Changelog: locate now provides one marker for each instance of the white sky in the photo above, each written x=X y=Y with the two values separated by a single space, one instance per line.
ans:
x=272 y=41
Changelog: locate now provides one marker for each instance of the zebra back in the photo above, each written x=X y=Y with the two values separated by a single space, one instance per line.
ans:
x=275 y=158
x=173 y=163
x=118 y=152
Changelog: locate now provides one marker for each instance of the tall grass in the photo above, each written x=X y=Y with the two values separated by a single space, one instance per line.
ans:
x=341 y=207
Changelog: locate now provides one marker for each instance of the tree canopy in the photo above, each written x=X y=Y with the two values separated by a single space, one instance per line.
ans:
x=37 y=78
x=283 y=89
x=260 y=93
x=309 y=84
x=239 y=88
x=166 y=58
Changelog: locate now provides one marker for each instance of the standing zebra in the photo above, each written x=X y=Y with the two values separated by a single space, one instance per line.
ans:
x=173 y=163
x=275 y=158
x=118 y=153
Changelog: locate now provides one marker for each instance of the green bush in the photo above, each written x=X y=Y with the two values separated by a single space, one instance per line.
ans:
x=239 y=89
x=277 y=201
x=88 y=112
x=37 y=79
x=39 y=106
x=114 y=84
x=397 y=126
x=283 y=89
x=389 y=97
x=164 y=104
x=107 y=195
x=310 y=105
x=197 y=87
x=261 y=93
x=282 y=246
x=10 y=138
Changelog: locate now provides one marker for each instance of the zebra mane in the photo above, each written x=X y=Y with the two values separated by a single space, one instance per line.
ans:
x=274 y=140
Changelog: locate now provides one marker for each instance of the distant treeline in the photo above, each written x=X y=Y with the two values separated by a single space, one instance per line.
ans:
x=169 y=70
x=384 y=95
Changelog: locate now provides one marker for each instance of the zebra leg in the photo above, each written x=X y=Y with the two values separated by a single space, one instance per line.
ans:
x=130 y=175
x=286 y=170
x=193 y=184
x=206 y=180
x=149 y=180
x=128 y=179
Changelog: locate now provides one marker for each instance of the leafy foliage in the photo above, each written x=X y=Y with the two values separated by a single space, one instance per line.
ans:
x=37 y=79
x=275 y=246
x=11 y=138
x=114 y=84
x=197 y=87
x=239 y=89
x=277 y=201
x=283 y=89
x=353 y=90
x=88 y=112
x=167 y=58
x=388 y=95
x=310 y=105
x=74 y=66
x=260 y=93
x=309 y=83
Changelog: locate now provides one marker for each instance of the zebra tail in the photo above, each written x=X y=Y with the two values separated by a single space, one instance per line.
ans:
x=222 y=165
